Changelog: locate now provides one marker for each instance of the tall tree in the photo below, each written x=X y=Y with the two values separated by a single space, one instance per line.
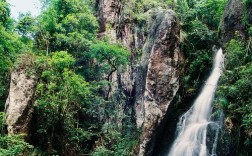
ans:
x=66 y=25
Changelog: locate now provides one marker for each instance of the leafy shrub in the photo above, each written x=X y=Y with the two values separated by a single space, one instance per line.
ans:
x=104 y=58
x=10 y=47
x=63 y=97
x=234 y=96
x=114 y=142
x=14 y=145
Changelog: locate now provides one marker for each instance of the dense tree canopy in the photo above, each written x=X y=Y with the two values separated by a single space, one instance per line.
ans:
x=73 y=112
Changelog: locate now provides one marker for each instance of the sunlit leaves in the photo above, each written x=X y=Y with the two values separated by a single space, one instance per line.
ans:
x=61 y=60
x=10 y=46
x=61 y=95
x=4 y=13
x=66 y=25
x=114 y=54
x=26 y=25
x=14 y=145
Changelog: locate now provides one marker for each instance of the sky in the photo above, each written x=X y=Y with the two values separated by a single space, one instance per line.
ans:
x=24 y=6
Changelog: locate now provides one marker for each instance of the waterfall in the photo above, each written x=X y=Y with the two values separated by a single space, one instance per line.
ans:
x=192 y=127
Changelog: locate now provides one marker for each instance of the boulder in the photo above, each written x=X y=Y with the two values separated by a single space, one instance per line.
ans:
x=19 y=104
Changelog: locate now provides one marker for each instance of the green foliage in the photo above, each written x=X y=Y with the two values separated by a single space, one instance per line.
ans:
x=5 y=14
x=10 y=46
x=5 y=11
x=201 y=19
x=119 y=134
x=247 y=2
x=197 y=70
x=66 y=25
x=61 y=60
x=2 y=123
x=113 y=143
x=26 y=25
x=137 y=10
x=102 y=151
x=199 y=27
x=234 y=95
x=14 y=145
x=62 y=96
x=236 y=54
x=247 y=19
x=115 y=54
x=210 y=12
x=116 y=139
x=102 y=58
x=68 y=104
x=111 y=55
x=199 y=34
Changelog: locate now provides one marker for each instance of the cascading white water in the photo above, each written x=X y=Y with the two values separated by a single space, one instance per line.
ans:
x=192 y=127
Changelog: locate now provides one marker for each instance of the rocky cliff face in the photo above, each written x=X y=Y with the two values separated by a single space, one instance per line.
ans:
x=232 y=21
x=107 y=15
x=149 y=82
x=153 y=80
x=19 y=106
x=162 y=81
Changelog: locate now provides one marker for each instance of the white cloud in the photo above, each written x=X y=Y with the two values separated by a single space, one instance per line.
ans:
x=24 y=6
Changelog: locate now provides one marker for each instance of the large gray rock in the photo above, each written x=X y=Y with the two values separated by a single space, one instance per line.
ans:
x=157 y=85
x=231 y=22
x=152 y=81
x=19 y=106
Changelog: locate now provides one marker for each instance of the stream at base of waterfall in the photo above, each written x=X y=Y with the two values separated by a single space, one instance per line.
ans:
x=192 y=127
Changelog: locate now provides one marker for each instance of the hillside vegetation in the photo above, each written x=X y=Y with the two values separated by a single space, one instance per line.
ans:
x=73 y=114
